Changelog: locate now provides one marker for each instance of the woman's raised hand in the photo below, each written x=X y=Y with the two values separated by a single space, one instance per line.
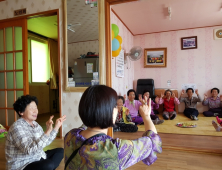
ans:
x=161 y=95
x=127 y=112
x=182 y=92
x=205 y=96
x=49 y=125
x=145 y=110
x=140 y=98
x=59 y=122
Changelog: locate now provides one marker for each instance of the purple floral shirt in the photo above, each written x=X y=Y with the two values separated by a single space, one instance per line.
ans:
x=212 y=103
x=104 y=152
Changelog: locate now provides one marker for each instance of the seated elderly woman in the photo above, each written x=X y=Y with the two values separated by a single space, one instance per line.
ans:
x=214 y=102
x=89 y=147
x=26 y=139
x=169 y=100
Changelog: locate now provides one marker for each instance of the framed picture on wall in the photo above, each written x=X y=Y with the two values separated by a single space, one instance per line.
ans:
x=188 y=43
x=155 y=57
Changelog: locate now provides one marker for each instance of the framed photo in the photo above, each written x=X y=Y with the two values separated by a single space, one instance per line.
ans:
x=155 y=57
x=188 y=43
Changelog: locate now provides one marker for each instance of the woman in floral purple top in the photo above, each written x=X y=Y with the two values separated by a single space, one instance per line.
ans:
x=104 y=152
x=214 y=102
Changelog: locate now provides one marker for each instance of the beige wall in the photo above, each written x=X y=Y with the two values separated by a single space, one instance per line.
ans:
x=76 y=49
x=122 y=85
x=70 y=100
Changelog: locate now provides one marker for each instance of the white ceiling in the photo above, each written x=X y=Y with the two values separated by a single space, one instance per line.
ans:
x=149 y=16
x=78 y=12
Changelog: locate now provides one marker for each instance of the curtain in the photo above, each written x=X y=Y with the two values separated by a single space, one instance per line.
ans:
x=53 y=55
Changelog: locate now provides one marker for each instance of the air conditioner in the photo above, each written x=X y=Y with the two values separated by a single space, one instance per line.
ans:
x=218 y=34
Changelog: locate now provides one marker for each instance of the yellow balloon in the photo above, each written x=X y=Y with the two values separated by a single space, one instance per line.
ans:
x=119 y=39
x=116 y=53
x=112 y=34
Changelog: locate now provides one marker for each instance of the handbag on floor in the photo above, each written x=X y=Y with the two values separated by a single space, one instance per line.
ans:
x=76 y=151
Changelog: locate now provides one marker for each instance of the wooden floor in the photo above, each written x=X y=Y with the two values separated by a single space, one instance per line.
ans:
x=204 y=126
x=180 y=152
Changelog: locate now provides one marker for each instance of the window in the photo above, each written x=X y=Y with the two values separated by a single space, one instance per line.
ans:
x=40 y=61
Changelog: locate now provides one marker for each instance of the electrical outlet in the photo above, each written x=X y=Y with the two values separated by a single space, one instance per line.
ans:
x=168 y=83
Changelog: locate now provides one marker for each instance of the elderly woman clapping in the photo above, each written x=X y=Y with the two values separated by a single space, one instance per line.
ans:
x=26 y=139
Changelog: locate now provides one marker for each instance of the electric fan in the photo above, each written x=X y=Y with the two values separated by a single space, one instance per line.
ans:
x=134 y=54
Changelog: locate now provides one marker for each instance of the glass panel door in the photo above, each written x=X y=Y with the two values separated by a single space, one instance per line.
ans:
x=13 y=67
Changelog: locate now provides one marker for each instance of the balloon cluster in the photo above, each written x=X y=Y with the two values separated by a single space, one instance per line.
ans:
x=116 y=41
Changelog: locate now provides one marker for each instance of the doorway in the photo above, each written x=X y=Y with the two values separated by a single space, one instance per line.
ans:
x=16 y=66
x=43 y=65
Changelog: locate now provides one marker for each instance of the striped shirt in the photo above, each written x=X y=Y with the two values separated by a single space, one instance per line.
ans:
x=190 y=103
x=25 y=143
x=212 y=103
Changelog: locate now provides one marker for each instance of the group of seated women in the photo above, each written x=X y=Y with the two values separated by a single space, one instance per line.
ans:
x=86 y=147
x=129 y=116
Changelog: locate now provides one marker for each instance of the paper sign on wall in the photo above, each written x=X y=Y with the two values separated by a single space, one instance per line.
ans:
x=120 y=64
x=186 y=86
x=89 y=67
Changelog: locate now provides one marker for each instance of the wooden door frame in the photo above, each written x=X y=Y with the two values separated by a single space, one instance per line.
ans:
x=45 y=13
x=105 y=41
x=107 y=25
x=18 y=23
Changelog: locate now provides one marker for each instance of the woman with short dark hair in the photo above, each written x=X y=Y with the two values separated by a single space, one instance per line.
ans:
x=214 y=102
x=90 y=147
x=169 y=100
x=133 y=106
x=190 y=101
x=26 y=139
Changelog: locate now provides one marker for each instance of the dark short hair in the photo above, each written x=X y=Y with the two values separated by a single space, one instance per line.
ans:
x=96 y=106
x=131 y=90
x=145 y=91
x=190 y=89
x=121 y=97
x=215 y=89
x=22 y=102
x=167 y=91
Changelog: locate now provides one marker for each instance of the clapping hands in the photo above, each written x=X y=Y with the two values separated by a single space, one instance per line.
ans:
x=58 y=124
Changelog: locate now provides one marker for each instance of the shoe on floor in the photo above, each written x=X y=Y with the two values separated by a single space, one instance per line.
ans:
x=155 y=121
x=173 y=117
x=160 y=122
x=165 y=117
x=193 y=117
x=216 y=114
